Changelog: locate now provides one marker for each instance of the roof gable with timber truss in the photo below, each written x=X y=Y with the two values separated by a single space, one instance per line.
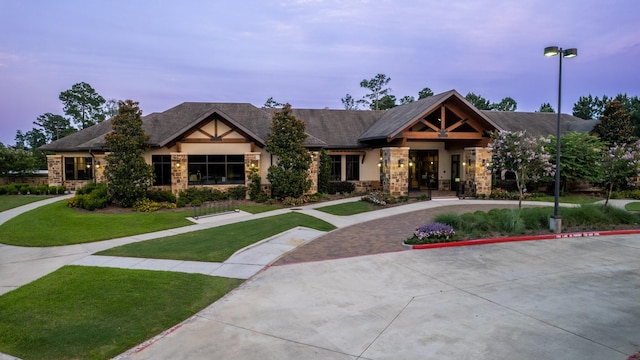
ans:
x=442 y=117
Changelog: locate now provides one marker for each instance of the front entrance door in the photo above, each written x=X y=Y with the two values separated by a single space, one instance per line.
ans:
x=423 y=169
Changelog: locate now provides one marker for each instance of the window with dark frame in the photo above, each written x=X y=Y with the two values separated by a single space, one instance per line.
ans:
x=78 y=168
x=336 y=167
x=353 y=167
x=162 y=169
x=216 y=169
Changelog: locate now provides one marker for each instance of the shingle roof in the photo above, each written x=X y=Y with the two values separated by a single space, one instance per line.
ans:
x=536 y=123
x=325 y=128
x=398 y=118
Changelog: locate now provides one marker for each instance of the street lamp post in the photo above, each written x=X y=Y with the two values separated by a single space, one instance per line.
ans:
x=555 y=222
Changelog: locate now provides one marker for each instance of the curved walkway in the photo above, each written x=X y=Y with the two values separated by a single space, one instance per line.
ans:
x=576 y=296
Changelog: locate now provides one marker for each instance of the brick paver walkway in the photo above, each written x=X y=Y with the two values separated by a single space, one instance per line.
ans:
x=372 y=237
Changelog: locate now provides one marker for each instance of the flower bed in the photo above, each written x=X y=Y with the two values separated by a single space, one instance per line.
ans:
x=431 y=233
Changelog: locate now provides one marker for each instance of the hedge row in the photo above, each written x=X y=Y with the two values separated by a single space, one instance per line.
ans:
x=26 y=189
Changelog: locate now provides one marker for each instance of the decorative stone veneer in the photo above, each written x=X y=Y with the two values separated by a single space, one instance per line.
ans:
x=100 y=162
x=475 y=160
x=54 y=165
x=313 y=172
x=179 y=172
x=251 y=161
x=395 y=171
x=366 y=186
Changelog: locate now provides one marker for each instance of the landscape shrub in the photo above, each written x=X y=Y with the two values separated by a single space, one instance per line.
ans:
x=187 y=197
x=374 y=199
x=237 y=192
x=510 y=222
x=90 y=197
x=432 y=233
x=161 y=196
x=341 y=187
x=147 y=205
x=255 y=187
x=450 y=218
x=500 y=194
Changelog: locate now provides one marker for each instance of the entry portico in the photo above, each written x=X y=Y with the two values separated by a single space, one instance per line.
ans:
x=434 y=143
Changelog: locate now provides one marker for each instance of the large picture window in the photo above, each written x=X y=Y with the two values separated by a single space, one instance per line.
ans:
x=216 y=169
x=78 y=168
x=336 y=167
x=162 y=169
x=353 y=167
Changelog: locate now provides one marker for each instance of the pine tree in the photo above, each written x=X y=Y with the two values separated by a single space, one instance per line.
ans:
x=128 y=175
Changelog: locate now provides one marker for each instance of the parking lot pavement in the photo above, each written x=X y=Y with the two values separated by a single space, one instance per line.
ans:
x=573 y=298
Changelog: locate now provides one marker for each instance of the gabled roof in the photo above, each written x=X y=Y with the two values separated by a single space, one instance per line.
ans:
x=397 y=119
x=332 y=129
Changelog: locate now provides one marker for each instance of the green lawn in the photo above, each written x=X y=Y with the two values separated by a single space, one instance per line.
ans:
x=633 y=206
x=570 y=199
x=57 y=224
x=350 y=208
x=13 y=201
x=217 y=244
x=97 y=313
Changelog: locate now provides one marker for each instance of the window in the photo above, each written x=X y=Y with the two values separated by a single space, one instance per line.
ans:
x=162 y=169
x=78 y=168
x=336 y=167
x=216 y=169
x=353 y=167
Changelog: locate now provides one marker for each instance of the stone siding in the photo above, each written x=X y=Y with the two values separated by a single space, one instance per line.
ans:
x=476 y=173
x=179 y=173
x=395 y=169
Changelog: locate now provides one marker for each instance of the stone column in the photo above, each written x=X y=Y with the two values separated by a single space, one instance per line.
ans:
x=55 y=169
x=313 y=172
x=100 y=165
x=395 y=169
x=179 y=172
x=251 y=162
x=475 y=161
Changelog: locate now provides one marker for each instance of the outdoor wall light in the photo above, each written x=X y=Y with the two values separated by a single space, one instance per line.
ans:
x=555 y=222
x=254 y=163
x=401 y=163
x=380 y=164
x=177 y=165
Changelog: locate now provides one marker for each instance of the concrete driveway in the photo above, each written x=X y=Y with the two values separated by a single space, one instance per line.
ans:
x=576 y=298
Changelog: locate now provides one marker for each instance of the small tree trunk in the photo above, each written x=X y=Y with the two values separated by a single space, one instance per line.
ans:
x=519 y=191
x=606 y=202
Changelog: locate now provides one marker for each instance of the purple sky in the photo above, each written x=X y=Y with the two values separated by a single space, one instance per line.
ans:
x=309 y=53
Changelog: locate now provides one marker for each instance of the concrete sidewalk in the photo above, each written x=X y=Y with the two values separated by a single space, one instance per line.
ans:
x=21 y=265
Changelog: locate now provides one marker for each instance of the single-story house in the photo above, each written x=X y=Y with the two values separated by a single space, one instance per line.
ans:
x=433 y=143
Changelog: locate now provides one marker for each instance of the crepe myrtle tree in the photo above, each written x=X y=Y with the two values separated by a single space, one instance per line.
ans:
x=620 y=164
x=525 y=156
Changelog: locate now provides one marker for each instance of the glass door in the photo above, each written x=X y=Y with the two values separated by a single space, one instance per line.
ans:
x=423 y=171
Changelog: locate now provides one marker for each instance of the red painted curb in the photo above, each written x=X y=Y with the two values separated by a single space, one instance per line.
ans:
x=524 y=238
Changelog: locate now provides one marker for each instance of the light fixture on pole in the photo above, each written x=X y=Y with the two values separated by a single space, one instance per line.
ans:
x=555 y=223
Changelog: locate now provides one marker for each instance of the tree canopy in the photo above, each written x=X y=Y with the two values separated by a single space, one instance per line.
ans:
x=377 y=86
x=546 y=107
x=615 y=125
x=83 y=104
x=523 y=155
